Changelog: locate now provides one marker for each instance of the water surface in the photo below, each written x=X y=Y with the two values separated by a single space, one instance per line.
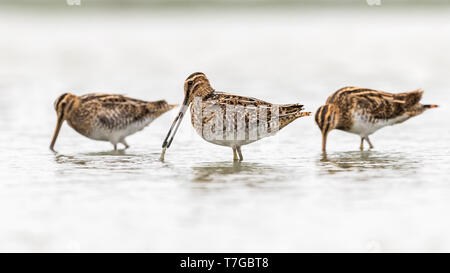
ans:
x=286 y=195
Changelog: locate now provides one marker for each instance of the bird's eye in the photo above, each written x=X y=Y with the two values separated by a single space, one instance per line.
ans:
x=190 y=82
x=63 y=104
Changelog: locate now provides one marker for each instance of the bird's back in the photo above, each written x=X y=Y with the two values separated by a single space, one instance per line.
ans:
x=376 y=105
x=364 y=111
x=103 y=113
x=248 y=114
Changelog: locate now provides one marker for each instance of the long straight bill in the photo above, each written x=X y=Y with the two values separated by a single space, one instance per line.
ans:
x=173 y=130
x=56 y=133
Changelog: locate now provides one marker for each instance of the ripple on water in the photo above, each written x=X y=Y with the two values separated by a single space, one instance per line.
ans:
x=367 y=161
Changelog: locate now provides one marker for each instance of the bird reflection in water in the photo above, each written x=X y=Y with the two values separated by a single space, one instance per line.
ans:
x=111 y=160
x=235 y=171
x=365 y=161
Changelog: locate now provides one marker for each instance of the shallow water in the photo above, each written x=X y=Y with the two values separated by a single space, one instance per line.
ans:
x=286 y=195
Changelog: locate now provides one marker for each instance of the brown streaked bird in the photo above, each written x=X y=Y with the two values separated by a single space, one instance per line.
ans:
x=364 y=111
x=197 y=88
x=106 y=117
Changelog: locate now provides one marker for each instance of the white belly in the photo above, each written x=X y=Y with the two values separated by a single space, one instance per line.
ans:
x=363 y=127
x=229 y=140
x=230 y=143
x=116 y=135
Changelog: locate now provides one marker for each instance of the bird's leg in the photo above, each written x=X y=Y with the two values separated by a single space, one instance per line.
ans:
x=361 y=147
x=370 y=143
x=324 y=141
x=235 y=158
x=124 y=142
x=241 y=158
x=115 y=146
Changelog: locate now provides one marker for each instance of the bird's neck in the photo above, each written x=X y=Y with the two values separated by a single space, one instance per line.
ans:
x=204 y=91
x=74 y=106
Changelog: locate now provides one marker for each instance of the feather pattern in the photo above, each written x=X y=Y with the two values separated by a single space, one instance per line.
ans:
x=247 y=112
x=110 y=117
x=363 y=111
x=229 y=120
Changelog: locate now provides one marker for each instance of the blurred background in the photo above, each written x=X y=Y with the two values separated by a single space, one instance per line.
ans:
x=233 y=3
x=286 y=195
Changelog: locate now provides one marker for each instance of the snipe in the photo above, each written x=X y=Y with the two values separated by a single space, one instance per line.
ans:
x=230 y=120
x=106 y=117
x=364 y=111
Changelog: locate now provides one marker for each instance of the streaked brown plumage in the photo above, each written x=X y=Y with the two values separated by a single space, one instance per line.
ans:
x=363 y=111
x=106 y=117
x=197 y=86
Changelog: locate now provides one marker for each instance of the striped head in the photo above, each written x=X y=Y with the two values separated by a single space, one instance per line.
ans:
x=196 y=85
x=64 y=107
x=327 y=118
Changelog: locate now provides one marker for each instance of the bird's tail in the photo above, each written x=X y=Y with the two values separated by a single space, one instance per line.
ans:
x=160 y=106
x=171 y=106
x=291 y=112
x=409 y=99
x=429 y=106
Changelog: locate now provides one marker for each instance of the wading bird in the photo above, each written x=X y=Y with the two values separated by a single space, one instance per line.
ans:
x=106 y=117
x=364 y=111
x=250 y=110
